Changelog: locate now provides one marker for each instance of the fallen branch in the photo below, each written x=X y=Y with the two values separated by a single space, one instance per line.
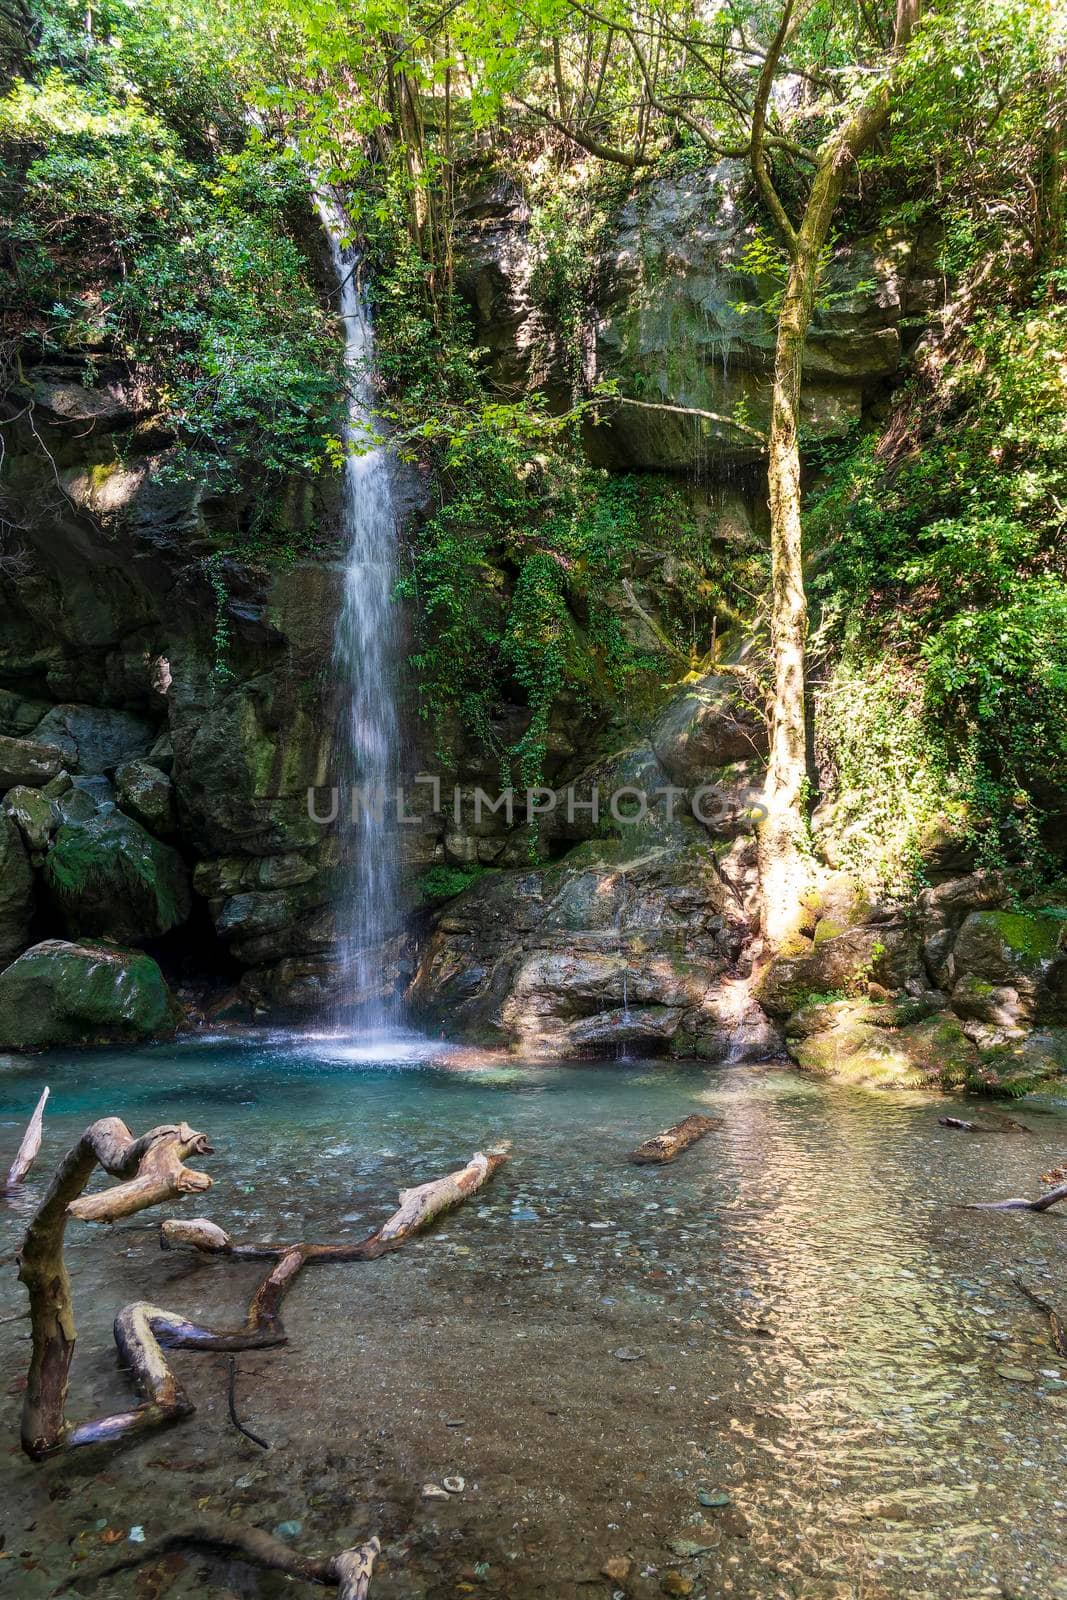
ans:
x=31 y=1144
x=143 y=1331
x=1056 y=1328
x=692 y=411
x=1053 y=1198
x=349 y=1571
x=1005 y=1125
x=669 y=1144
x=153 y=1169
x=231 y=1400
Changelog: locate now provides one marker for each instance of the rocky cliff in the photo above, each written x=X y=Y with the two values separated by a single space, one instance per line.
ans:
x=165 y=709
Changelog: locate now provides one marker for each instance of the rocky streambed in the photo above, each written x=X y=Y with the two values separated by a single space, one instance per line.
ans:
x=786 y=1365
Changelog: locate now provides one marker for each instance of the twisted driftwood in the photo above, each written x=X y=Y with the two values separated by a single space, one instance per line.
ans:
x=349 y=1572
x=669 y=1144
x=152 y=1169
x=418 y=1208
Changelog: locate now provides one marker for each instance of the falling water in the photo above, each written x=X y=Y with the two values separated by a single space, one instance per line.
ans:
x=364 y=656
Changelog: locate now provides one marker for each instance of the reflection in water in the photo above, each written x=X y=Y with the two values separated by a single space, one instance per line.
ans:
x=813 y=1327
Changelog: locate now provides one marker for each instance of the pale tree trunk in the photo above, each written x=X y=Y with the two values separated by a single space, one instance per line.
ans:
x=785 y=866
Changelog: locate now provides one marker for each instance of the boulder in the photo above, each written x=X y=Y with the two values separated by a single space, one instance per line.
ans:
x=1025 y=951
x=147 y=794
x=16 y=889
x=603 y=948
x=95 y=738
x=35 y=813
x=711 y=724
x=28 y=761
x=108 y=877
x=59 y=993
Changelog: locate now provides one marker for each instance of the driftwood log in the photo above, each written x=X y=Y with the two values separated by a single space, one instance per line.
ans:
x=1042 y=1203
x=669 y=1144
x=1002 y=1125
x=31 y=1144
x=349 y=1572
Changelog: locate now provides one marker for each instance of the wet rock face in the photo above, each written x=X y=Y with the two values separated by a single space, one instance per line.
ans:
x=667 y=324
x=59 y=993
x=710 y=725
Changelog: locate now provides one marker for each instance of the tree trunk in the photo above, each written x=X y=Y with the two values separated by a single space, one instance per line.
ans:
x=785 y=867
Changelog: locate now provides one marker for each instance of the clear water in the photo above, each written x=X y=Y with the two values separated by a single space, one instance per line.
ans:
x=815 y=1330
x=365 y=649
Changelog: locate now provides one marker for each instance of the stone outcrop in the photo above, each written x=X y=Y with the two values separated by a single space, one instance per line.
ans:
x=59 y=993
x=599 y=951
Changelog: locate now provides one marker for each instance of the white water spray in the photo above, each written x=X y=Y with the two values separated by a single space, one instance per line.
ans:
x=365 y=649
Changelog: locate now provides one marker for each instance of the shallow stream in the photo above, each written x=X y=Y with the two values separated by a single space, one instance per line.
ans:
x=794 y=1316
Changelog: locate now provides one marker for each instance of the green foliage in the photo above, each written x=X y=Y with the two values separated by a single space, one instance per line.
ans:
x=220 y=638
x=441 y=883
x=516 y=574
x=153 y=230
x=951 y=552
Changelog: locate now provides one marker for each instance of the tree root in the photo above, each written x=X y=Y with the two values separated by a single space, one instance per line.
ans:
x=1056 y=1328
x=349 y=1571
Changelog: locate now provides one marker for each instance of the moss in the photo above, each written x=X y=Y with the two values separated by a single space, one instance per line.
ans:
x=1036 y=937
x=438 y=884
x=828 y=929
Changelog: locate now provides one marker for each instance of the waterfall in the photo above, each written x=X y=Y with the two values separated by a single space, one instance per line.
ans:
x=365 y=650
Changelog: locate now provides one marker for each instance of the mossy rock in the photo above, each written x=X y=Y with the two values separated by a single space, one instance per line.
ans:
x=854 y=1042
x=109 y=878
x=841 y=964
x=1021 y=950
x=1024 y=1064
x=58 y=993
